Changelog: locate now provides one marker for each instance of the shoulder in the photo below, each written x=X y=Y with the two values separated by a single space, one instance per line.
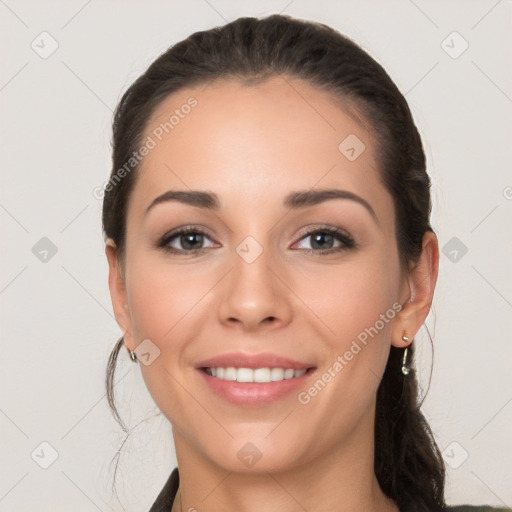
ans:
x=165 y=499
x=476 y=508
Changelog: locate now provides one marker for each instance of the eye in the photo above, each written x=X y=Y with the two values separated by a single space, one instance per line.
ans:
x=323 y=240
x=189 y=240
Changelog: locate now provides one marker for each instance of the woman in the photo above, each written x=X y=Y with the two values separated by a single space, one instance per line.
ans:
x=271 y=261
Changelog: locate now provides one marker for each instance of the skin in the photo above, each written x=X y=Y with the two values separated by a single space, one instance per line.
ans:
x=252 y=145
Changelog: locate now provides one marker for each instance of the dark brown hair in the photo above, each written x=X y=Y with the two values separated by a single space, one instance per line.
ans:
x=408 y=464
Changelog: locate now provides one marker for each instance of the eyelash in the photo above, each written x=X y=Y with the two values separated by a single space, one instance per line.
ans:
x=341 y=235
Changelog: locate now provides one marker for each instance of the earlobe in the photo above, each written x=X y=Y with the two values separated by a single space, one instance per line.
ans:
x=116 y=283
x=421 y=283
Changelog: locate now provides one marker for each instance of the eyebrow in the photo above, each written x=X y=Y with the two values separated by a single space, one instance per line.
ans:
x=293 y=201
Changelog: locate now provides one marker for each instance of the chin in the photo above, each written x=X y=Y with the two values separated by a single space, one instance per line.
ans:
x=258 y=456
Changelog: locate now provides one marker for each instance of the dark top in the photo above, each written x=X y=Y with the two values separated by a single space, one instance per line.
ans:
x=167 y=496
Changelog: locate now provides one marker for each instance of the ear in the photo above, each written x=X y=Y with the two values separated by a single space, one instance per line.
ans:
x=417 y=293
x=116 y=283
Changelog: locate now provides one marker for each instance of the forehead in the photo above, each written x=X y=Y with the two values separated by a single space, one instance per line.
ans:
x=248 y=141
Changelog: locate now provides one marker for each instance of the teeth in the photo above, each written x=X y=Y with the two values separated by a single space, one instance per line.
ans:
x=230 y=373
x=257 y=375
x=288 y=373
x=261 y=375
x=276 y=374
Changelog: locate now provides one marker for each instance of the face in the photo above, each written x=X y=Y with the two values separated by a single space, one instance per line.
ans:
x=270 y=274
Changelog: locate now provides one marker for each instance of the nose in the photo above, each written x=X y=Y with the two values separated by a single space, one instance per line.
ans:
x=254 y=295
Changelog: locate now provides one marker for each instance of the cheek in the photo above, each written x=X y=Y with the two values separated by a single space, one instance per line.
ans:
x=161 y=298
x=356 y=304
x=351 y=298
x=164 y=303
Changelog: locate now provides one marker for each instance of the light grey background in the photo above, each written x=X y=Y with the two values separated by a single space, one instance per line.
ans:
x=57 y=326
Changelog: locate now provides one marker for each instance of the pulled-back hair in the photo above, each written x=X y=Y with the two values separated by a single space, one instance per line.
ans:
x=408 y=464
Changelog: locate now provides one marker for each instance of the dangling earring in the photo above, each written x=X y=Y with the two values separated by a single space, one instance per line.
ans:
x=405 y=369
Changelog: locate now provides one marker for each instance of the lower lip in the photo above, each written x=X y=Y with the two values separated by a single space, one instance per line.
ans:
x=254 y=393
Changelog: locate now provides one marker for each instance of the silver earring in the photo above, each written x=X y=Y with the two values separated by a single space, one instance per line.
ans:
x=405 y=369
x=133 y=355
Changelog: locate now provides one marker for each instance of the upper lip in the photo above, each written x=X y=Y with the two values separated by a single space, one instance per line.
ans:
x=245 y=360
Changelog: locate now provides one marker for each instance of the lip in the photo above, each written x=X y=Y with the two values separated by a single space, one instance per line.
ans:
x=253 y=394
x=253 y=361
